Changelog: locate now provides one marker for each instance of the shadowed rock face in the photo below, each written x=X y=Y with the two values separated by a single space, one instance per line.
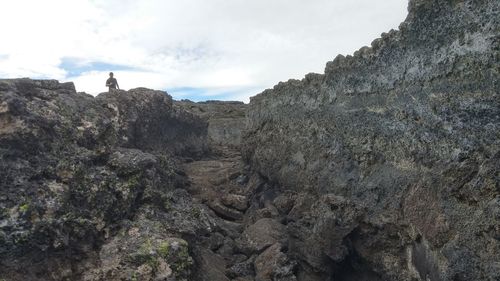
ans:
x=407 y=132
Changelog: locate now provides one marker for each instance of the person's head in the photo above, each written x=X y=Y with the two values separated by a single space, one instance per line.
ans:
x=111 y=74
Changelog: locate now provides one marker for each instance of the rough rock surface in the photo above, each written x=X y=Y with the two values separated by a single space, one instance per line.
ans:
x=226 y=120
x=393 y=154
x=273 y=264
x=74 y=169
x=262 y=234
x=384 y=168
x=123 y=186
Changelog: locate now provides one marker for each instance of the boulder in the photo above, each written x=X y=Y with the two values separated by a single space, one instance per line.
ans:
x=273 y=264
x=264 y=233
x=225 y=212
x=238 y=202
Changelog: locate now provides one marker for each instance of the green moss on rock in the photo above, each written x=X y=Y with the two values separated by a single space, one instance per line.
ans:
x=172 y=251
x=24 y=207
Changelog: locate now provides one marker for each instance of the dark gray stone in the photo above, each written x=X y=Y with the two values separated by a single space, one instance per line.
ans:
x=264 y=233
x=408 y=131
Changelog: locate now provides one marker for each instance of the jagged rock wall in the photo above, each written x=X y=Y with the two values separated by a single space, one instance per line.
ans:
x=89 y=186
x=392 y=156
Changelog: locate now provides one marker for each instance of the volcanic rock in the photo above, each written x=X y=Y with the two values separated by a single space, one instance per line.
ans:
x=407 y=132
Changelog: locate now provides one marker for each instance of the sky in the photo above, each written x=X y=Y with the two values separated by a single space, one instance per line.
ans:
x=193 y=49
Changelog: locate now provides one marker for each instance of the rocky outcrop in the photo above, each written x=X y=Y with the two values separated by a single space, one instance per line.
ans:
x=149 y=120
x=386 y=167
x=89 y=186
x=391 y=158
x=226 y=120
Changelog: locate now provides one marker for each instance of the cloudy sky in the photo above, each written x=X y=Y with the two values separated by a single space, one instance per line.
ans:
x=195 y=49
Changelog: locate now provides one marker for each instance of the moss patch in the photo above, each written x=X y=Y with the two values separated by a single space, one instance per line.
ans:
x=164 y=249
x=173 y=251
x=24 y=207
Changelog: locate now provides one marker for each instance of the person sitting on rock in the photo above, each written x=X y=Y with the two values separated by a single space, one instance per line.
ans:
x=112 y=83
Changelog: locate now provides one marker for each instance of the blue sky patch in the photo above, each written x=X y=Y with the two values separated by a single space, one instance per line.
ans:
x=75 y=67
x=204 y=94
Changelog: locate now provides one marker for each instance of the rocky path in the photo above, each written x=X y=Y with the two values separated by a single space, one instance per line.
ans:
x=248 y=242
x=218 y=182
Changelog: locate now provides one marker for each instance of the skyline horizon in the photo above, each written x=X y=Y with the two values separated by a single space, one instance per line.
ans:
x=226 y=51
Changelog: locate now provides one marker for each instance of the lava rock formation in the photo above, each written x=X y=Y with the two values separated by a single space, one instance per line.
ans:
x=385 y=167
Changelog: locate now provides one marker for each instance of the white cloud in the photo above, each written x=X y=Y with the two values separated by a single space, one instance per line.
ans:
x=220 y=45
